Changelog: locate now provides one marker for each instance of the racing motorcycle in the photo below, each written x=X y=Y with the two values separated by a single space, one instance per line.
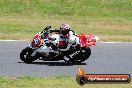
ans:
x=57 y=51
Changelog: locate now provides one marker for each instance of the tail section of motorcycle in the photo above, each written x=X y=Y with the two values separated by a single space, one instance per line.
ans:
x=88 y=40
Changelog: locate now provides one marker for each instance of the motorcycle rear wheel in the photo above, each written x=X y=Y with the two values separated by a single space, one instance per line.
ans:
x=25 y=55
x=82 y=56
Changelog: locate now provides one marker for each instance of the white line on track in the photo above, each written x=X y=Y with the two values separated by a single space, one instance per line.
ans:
x=111 y=42
x=12 y=40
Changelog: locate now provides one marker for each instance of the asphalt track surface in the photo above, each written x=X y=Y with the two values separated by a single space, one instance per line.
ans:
x=106 y=58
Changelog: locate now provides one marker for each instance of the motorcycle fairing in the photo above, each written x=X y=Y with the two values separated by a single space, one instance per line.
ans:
x=87 y=40
x=37 y=41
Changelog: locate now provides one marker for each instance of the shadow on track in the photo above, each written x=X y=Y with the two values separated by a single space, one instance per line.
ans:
x=55 y=63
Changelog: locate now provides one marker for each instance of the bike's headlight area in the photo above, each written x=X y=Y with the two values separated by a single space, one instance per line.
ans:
x=36 y=42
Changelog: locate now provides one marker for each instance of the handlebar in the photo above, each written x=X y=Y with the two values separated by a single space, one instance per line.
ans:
x=47 y=28
x=54 y=31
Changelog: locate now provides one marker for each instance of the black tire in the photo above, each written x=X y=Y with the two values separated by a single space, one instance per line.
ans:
x=25 y=55
x=82 y=56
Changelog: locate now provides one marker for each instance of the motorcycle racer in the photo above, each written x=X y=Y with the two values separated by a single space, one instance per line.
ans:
x=62 y=40
x=65 y=38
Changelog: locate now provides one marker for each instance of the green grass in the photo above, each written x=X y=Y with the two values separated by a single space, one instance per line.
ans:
x=111 y=20
x=108 y=29
x=51 y=82
x=92 y=8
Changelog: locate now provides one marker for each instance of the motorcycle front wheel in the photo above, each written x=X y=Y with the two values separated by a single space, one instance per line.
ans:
x=25 y=55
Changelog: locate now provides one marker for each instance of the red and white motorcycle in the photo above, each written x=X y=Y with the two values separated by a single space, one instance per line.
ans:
x=45 y=47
